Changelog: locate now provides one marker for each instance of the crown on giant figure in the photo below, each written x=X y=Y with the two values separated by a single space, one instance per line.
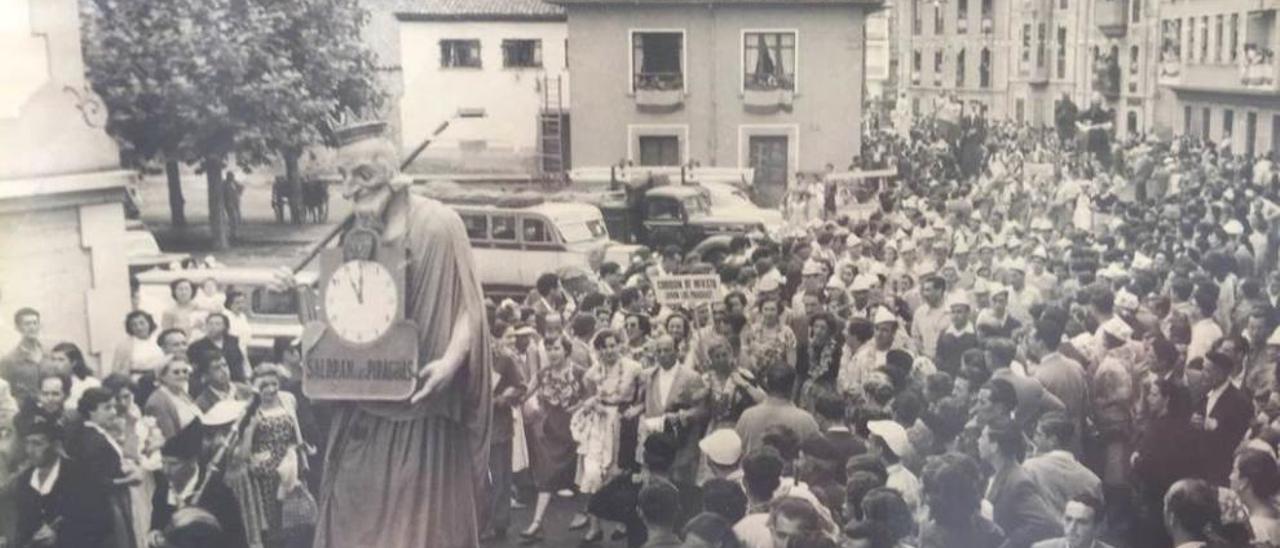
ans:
x=349 y=127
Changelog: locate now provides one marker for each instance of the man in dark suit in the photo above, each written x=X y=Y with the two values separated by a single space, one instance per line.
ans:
x=218 y=385
x=1222 y=418
x=57 y=505
x=1017 y=505
x=179 y=487
x=217 y=338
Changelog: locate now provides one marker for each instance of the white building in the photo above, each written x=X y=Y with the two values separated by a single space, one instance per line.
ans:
x=505 y=58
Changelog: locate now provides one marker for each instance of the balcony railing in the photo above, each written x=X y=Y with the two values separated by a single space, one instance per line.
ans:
x=659 y=81
x=659 y=91
x=988 y=25
x=768 y=82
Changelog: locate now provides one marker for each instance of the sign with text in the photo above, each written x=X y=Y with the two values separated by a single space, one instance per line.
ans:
x=687 y=290
x=387 y=370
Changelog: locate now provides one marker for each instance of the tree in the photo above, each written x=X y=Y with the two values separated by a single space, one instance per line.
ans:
x=205 y=81
x=327 y=69
x=130 y=50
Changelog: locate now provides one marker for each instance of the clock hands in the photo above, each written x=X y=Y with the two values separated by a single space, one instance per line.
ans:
x=360 y=291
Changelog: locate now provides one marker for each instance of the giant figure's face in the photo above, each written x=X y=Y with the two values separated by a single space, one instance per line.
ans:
x=367 y=167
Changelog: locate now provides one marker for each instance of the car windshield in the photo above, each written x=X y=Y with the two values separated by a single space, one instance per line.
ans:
x=697 y=205
x=583 y=231
x=729 y=197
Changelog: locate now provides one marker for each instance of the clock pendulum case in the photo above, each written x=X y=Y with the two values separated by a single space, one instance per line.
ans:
x=361 y=346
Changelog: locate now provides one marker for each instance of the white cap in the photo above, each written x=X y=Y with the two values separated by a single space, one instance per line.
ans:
x=893 y=434
x=812 y=268
x=1041 y=223
x=1117 y=328
x=1040 y=253
x=767 y=285
x=224 y=412
x=835 y=283
x=864 y=282
x=962 y=246
x=1016 y=264
x=1126 y=300
x=852 y=240
x=722 y=447
x=883 y=315
x=996 y=288
x=1233 y=227
x=959 y=298
x=907 y=245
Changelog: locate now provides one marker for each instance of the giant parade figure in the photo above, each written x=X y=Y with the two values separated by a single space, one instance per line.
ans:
x=408 y=472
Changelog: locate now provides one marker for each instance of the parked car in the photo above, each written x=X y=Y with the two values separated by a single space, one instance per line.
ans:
x=272 y=314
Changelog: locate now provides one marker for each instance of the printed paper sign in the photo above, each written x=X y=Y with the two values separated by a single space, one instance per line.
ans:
x=687 y=290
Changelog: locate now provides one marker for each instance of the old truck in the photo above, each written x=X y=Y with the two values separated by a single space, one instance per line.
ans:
x=678 y=205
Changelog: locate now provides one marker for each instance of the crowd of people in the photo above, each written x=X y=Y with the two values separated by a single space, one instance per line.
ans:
x=177 y=440
x=1015 y=342
x=1012 y=342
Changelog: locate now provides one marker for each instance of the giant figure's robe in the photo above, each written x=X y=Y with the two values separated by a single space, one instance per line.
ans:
x=408 y=476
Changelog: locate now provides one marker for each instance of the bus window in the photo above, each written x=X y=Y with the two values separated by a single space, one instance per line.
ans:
x=477 y=226
x=535 y=231
x=269 y=302
x=504 y=228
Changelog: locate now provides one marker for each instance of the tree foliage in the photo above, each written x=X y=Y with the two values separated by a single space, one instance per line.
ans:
x=208 y=82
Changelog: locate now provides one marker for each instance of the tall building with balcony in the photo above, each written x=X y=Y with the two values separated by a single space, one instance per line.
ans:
x=953 y=47
x=775 y=85
x=1020 y=57
x=1217 y=59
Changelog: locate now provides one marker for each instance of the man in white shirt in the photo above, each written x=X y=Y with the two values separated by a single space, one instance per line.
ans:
x=889 y=442
x=931 y=317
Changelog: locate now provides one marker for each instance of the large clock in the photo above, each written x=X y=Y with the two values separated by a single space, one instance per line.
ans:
x=361 y=300
x=361 y=347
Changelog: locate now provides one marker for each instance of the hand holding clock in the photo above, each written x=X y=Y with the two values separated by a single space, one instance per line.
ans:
x=437 y=374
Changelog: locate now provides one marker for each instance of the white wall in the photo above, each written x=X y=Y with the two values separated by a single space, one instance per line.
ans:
x=511 y=97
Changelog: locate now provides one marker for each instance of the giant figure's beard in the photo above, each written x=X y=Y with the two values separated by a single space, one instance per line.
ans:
x=369 y=204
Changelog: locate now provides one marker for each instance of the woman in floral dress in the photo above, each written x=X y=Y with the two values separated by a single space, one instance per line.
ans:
x=605 y=425
x=557 y=390
x=637 y=329
x=273 y=436
x=729 y=393
x=823 y=357
x=767 y=340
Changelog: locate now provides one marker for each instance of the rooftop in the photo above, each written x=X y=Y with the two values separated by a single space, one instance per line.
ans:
x=478 y=10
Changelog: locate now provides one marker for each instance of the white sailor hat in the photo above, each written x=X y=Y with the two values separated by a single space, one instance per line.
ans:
x=723 y=447
x=1233 y=227
x=959 y=298
x=883 y=315
x=1117 y=328
x=864 y=282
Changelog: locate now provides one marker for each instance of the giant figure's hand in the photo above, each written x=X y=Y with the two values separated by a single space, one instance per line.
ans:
x=435 y=376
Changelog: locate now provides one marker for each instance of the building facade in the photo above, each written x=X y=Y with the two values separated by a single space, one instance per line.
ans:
x=1217 y=60
x=777 y=86
x=503 y=60
x=1020 y=58
x=63 y=247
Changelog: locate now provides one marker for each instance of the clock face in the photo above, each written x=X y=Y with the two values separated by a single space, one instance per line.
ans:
x=361 y=301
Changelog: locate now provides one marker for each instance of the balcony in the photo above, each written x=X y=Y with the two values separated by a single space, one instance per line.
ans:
x=962 y=26
x=659 y=91
x=1111 y=17
x=767 y=94
x=1256 y=78
x=988 y=26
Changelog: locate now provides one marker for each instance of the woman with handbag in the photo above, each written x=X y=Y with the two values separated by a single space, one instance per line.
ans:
x=274 y=440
